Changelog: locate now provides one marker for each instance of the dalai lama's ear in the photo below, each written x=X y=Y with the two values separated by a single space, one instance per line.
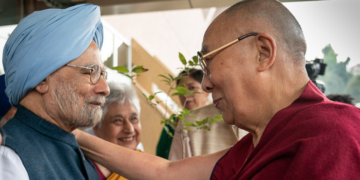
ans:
x=266 y=46
x=43 y=86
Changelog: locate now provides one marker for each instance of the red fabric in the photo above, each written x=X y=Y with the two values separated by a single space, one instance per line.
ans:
x=101 y=175
x=313 y=138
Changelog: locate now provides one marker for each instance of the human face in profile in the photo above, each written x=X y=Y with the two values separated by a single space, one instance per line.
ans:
x=199 y=99
x=72 y=99
x=233 y=78
x=121 y=125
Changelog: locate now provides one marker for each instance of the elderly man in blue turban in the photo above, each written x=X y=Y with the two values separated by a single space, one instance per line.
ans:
x=56 y=79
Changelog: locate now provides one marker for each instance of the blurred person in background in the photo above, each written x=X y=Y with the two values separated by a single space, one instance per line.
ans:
x=344 y=98
x=6 y=110
x=192 y=82
x=120 y=123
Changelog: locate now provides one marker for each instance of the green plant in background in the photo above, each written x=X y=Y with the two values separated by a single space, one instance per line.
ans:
x=181 y=90
x=125 y=71
x=337 y=79
x=336 y=75
x=170 y=80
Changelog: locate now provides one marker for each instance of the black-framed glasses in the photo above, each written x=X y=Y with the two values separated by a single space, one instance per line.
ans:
x=95 y=72
x=202 y=56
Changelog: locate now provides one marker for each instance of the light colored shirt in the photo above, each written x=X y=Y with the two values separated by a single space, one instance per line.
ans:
x=11 y=166
x=196 y=142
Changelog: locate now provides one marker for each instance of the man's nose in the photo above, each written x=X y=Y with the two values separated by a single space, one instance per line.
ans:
x=206 y=84
x=102 y=88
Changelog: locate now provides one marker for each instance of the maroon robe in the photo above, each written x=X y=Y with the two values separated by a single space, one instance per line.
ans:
x=313 y=138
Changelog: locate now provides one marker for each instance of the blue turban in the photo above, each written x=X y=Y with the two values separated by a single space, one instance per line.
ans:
x=4 y=100
x=46 y=40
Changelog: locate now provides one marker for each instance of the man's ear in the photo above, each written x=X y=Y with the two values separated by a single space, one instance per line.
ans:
x=43 y=86
x=267 y=51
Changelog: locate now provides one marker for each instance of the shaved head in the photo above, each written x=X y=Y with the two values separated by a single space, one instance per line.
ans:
x=272 y=16
x=253 y=78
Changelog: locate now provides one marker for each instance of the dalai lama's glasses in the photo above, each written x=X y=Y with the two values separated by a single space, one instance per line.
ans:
x=202 y=56
x=95 y=72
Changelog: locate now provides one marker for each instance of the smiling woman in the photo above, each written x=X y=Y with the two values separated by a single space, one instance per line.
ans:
x=120 y=123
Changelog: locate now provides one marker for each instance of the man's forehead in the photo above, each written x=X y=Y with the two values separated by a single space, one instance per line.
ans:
x=210 y=38
x=215 y=36
x=90 y=57
x=223 y=30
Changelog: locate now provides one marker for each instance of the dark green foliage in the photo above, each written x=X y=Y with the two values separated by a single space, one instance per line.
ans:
x=336 y=75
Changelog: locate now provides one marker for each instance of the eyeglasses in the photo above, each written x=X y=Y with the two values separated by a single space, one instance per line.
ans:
x=202 y=57
x=95 y=72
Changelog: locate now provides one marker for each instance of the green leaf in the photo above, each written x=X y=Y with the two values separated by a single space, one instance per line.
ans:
x=191 y=63
x=191 y=92
x=173 y=116
x=195 y=59
x=216 y=118
x=129 y=76
x=121 y=69
x=190 y=124
x=206 y=128
x=151 y=97
x=172 y=78
x=206 y=120
x=186 y=128
x=182 y=59
x=165 y=81
x=219 y=116
x=198 y=123
x=167 y=131
x=180 y=118
x=158 y=92
x=139 y=69
x=186 y=112
x=166 y=121
x=180 y=91
x=164 y=77
x=179 y=77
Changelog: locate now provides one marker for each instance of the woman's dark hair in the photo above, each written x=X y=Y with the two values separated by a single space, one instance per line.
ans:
x=196 y=74
x=344 y=98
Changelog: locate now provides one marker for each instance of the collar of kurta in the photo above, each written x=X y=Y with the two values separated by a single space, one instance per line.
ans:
x=44 y=127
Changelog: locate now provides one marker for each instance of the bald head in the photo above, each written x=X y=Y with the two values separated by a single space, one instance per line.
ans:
x=270 y=16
